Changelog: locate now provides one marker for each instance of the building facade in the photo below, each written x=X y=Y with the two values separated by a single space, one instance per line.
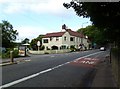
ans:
x=64 y=40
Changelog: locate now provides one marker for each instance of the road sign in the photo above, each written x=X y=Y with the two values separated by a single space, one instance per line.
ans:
x=38 y=43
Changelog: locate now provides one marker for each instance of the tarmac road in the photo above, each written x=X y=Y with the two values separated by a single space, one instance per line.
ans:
x=52 y=70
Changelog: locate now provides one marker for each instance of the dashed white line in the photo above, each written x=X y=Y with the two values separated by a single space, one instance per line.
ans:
x=41 y=72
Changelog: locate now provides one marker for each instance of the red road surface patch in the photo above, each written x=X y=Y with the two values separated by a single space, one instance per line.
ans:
x=85 y=62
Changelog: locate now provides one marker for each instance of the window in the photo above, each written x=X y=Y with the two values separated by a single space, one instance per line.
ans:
x=51 y=38
x=57 y=38
x=45 y=41
x=65 y=38
x=71 y=38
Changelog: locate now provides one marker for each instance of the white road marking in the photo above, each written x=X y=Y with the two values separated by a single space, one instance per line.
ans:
x=41 y=72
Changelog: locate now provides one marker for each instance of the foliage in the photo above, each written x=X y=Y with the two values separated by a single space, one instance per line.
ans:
x=72 y=48
x=7 y=53
x=95 y=34
x=26 y=40
x=8 y=34
x=15 y=53
x=105 y=15
x=33 y=43
x=42 y=47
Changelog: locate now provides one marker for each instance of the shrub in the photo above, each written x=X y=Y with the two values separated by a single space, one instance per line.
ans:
x=15 y=53
x=72 y=48
x=7 y=53
x=46 y=53
x=42 y=47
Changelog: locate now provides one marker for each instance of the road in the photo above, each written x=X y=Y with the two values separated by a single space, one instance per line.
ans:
x=52 y=70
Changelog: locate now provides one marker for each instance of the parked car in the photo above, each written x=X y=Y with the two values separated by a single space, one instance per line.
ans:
x=102 y=49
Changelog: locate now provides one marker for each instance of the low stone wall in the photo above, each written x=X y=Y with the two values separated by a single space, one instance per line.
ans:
x=115 y=60
x=49 y=51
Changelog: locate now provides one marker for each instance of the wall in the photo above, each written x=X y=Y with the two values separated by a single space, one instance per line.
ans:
x=115 y=60
x=52 y=42
x=49 y=51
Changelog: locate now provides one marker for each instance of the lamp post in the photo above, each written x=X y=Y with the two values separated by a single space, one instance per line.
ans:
x=82 y=32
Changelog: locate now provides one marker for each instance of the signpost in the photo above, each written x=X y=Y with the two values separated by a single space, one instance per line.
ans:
x=38 y=44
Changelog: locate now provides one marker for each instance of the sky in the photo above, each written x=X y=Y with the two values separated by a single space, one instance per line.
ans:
x=34 y=17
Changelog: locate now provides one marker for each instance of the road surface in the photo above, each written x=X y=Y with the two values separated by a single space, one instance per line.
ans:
x=53 y=70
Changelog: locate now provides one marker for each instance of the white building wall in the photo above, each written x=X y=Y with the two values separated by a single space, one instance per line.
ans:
x=86 y=44
x=68 y=43
x=52 y=42
x=55 y=42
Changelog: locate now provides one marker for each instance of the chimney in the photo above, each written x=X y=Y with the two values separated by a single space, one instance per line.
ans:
x=64 y=26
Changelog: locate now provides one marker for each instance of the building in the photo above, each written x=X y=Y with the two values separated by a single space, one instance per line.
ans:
x=64 y=40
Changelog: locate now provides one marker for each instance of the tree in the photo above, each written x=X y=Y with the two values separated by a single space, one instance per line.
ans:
x=95 y=34
x=105 y=15
x=34 y=42
x=26 y=40
x=8 y=34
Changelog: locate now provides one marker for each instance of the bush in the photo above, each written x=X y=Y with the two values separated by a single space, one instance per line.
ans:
x=42 y=47
x=46 y=53
x=15 y=53
x=7 y=53
x=72 y=48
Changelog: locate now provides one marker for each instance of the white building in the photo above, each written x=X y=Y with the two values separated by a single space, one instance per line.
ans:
x=64 y=40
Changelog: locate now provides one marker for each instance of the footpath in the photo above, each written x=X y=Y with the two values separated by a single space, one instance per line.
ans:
x=5 y=62
x=104 y=77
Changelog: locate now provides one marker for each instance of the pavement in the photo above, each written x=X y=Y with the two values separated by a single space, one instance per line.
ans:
x=103 y=76
x=5 y=62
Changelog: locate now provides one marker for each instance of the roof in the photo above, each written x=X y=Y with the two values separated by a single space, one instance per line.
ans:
x=59 y=34
x=73 y=33
x=56 y=34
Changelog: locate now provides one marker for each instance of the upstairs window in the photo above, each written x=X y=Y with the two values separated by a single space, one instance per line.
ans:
x=71 y=38
x=45 y=41
x=51 y=38
x=65 y=38
x=57 y=38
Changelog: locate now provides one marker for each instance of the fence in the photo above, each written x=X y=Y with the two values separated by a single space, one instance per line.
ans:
x=115 y=60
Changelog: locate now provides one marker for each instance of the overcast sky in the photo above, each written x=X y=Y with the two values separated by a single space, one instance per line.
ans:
x=34 y=17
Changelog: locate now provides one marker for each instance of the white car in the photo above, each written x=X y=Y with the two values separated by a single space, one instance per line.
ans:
x=102 y=48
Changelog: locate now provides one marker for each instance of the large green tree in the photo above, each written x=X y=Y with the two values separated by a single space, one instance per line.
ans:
x=34 y=42
x=8 y=34
x=94 y=34
x=105 y=15
x=26 y=40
